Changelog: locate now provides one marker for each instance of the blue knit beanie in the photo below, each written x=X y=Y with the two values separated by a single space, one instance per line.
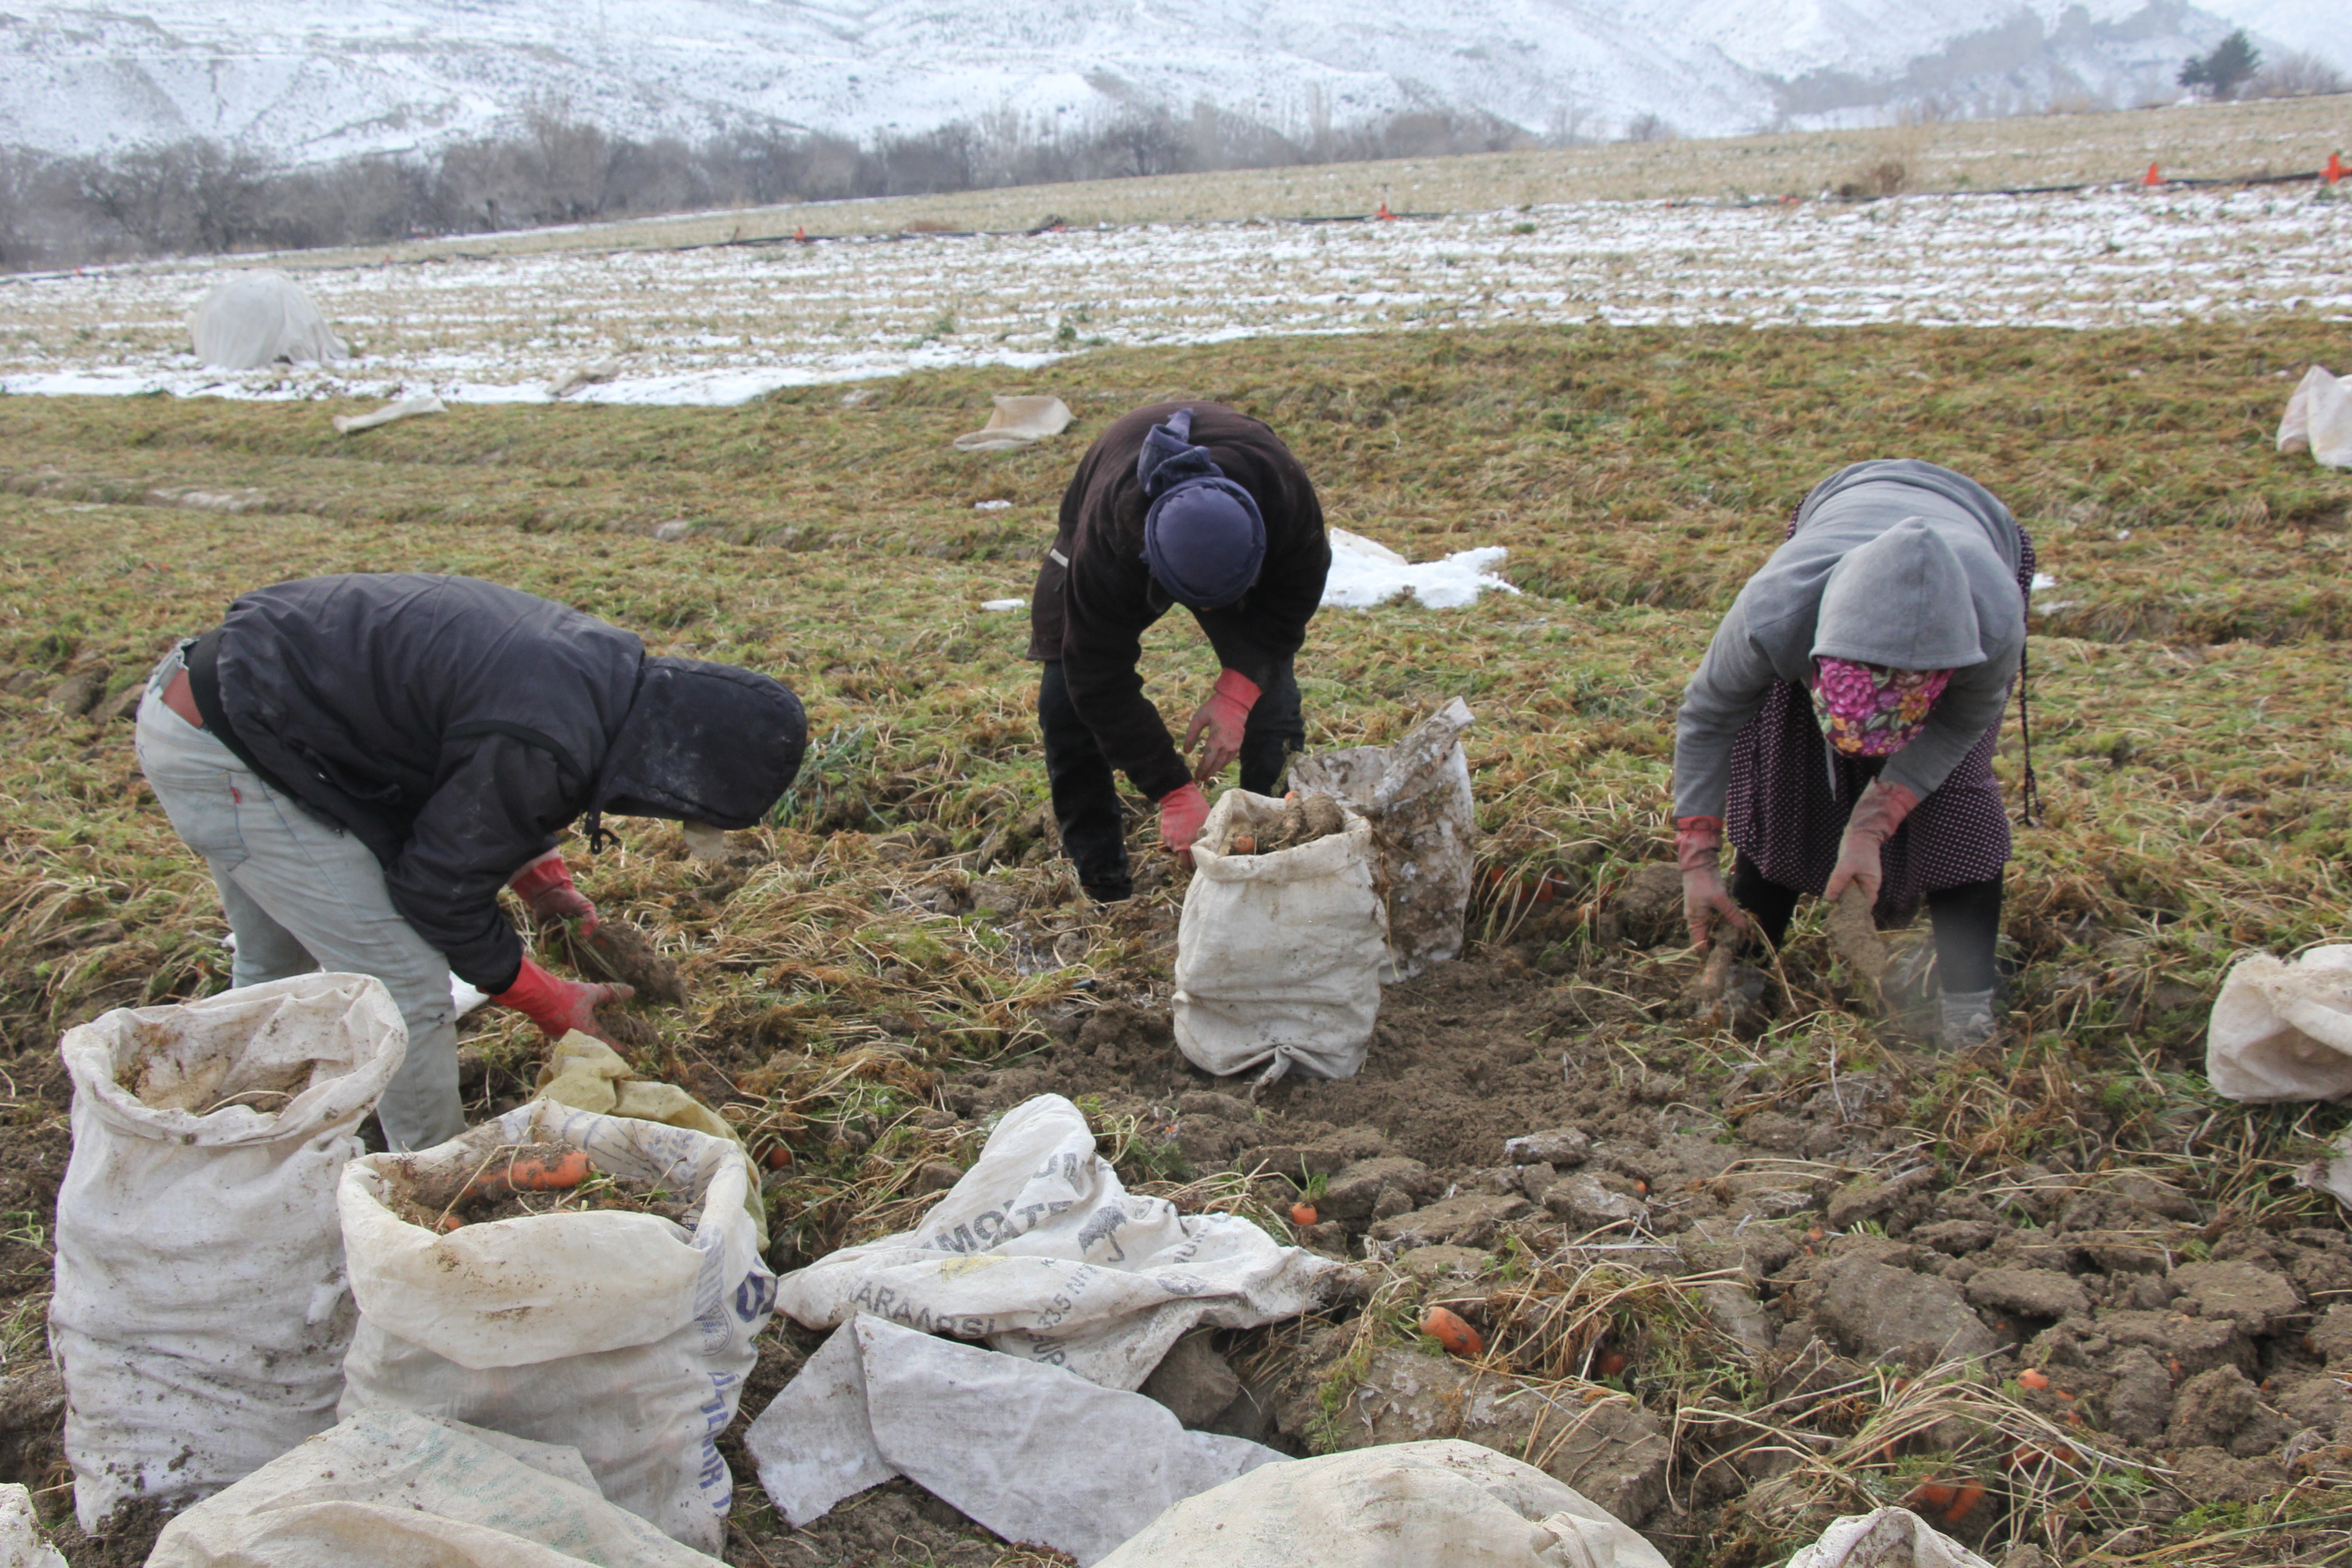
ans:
x=1204 y=537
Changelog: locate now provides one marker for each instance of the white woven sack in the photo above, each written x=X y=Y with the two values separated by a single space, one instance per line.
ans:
x=201 y=1312
x=1278 y=955
x=2318 y=420
x=1885 y=1537
x=622 y=1335
x=2283 y=1031
x=1394 y=1505
x=1416 y=795
x=391 y=1488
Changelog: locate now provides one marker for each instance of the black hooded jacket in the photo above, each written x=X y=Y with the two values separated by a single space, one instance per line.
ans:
x=454 y=725
x=1094 y=597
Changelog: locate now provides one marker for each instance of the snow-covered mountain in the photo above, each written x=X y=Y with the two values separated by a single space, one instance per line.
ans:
x=303 y=82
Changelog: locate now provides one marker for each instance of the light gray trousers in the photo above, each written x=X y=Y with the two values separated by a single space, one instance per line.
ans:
x=301 y=896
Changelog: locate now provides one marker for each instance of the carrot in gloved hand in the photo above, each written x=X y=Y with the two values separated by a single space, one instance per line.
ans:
x=559 y=1005
x=1878 y=810
x=1219 y=723
x=545 y=885
x=1698 y=840
x=1184 y=812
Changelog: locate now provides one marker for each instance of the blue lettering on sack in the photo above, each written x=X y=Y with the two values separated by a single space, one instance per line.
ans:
x=755 y=1297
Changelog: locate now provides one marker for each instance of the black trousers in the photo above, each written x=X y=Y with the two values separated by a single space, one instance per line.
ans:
x=1967 y=921
x=1086 y=792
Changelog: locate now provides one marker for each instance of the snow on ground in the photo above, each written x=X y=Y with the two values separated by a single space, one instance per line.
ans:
x=724 y=325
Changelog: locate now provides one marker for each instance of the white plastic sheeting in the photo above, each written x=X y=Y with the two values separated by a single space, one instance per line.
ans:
x=201 y=1311
x=1016 y=422
x=1040 y=1251
x=255 y=318
x=1032 y=1452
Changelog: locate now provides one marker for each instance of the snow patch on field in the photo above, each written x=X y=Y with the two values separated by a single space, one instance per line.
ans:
x=725 y=325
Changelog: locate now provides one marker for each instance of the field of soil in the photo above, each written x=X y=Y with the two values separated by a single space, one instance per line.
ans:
x=1750 y=1272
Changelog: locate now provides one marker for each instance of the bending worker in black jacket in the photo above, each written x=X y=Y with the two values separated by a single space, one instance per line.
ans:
x=1180 y=503
x=364 y=761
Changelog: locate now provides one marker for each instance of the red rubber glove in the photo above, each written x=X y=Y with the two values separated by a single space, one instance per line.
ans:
x=1182 y=813
x=558 y=1006
x=545 y=885
x=1221 y=719
x=1878 y=810
x=1697 y=842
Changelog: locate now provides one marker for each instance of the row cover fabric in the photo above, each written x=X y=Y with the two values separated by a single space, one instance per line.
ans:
x=1032 y=1452
x=2318 y=420
x=1395 y=1505
x=1416 y=795
x=1041 y=1252
x=2281 y=1030
x=1278 y=956
x=201 y=1312
x=257 y=317
x=624 y=1335
x=389 y=1486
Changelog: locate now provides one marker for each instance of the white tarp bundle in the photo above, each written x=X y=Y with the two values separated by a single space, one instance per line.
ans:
x=1885 y=1537
x=622 y=1335
x=1397 y=1505
x=254 y=318
x=2282 y=1030
x=1032 y=1452
x=390 y=1487
x=1365 y=573
x=1278 y=956
x=1416 y=795
x=1017 y=421
x=201 y=1310
x=2318 y=420
x=1042 y=1252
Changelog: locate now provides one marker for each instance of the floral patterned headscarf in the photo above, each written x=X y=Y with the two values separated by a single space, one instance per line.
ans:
x=1868 y=711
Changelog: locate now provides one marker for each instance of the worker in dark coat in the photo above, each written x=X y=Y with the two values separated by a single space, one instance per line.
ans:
x=364 y=761
x=1842 y=725
x=1181 y=503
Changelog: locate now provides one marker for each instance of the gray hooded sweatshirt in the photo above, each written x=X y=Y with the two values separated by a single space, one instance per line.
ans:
x=1895 y=563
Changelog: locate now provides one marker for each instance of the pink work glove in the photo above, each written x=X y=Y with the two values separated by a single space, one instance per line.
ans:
x=545 y=885
x=1697 y=842
x=1221 y=719
x=1878 y=810
x=1182 y=813
x=557 y=1006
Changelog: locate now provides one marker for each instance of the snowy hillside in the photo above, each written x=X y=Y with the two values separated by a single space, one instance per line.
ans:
x=303 y=82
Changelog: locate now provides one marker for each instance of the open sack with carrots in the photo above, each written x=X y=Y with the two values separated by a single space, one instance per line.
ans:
x=599 y=1289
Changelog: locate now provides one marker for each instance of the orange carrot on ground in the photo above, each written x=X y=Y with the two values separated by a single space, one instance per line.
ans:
x=1452 y=1333
x=1303 y=1215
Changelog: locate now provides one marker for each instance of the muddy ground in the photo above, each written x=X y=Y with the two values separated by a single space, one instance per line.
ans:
x=1699 y=1261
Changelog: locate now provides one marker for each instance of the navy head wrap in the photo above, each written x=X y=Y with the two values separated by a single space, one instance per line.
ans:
x=1204 y=537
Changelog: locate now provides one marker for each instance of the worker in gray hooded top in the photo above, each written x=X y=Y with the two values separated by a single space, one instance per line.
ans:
x=1841 y=728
